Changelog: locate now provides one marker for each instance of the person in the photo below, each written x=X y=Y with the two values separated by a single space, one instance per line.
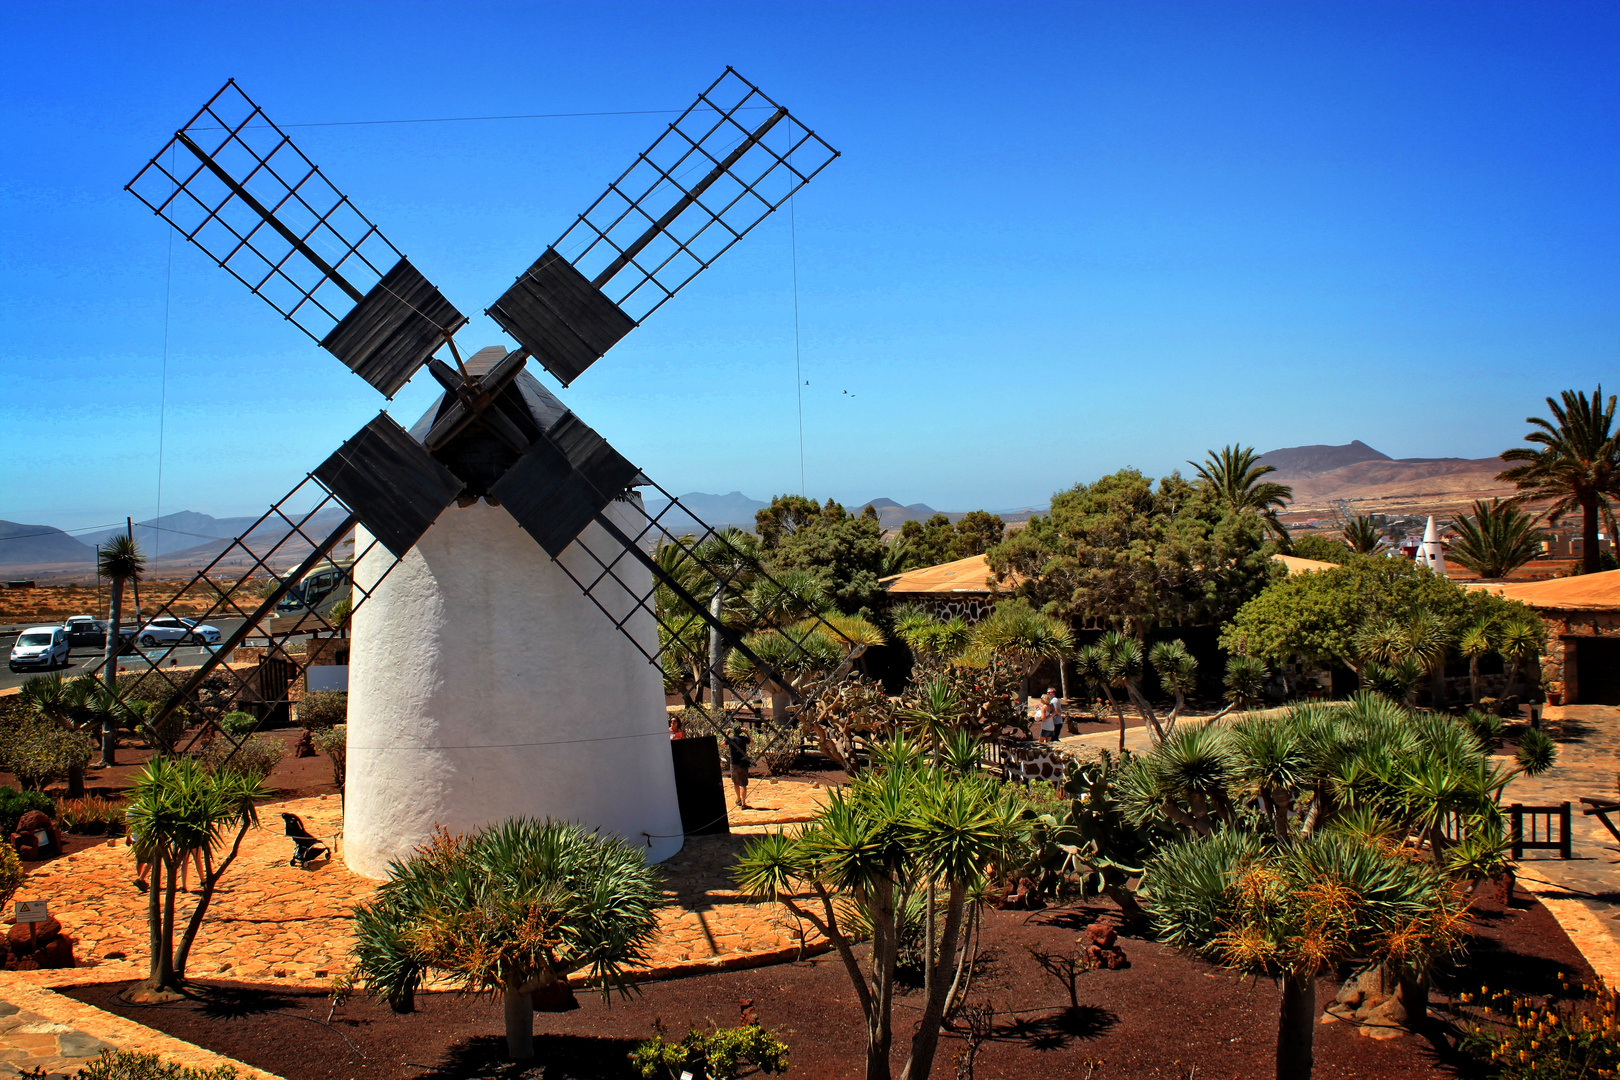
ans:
x=737 y=743
x=1054 y=713
x=676 y=729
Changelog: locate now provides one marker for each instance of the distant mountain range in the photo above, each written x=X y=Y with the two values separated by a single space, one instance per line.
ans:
x=175 y=545
x=180 y=543
x=1356 y=473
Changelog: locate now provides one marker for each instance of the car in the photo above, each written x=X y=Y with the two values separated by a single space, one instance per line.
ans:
x=85 y=630
x=169 y=629
x=40 y=647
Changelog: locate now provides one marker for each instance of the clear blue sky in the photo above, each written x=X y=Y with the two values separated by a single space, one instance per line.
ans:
x=1061 y=239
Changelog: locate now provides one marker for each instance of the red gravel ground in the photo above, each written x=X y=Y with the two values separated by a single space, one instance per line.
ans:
x=1165 y=1016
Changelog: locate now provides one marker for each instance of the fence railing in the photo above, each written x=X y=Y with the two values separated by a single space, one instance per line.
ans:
x=1541 y=820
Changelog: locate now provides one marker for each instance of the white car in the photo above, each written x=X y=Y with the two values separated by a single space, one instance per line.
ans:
x=169 y=629
x=40 y=647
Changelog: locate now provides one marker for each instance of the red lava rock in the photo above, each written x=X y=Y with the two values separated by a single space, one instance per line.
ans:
x=305 y=747
x=20 y=939
x=26 y=838
x=1102 y=950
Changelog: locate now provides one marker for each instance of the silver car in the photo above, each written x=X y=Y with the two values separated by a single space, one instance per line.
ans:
x=170 y=629
x=40 y=647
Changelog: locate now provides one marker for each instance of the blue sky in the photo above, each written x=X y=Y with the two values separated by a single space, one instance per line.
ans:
x=1061 y=239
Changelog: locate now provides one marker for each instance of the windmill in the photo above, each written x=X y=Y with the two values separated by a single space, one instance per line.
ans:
x=466 y=528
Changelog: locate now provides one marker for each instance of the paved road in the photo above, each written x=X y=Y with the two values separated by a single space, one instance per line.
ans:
x=86 y=658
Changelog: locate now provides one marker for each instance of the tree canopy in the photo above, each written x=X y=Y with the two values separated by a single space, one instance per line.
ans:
x=844 y=550
x=1317 y=615
x=1138 y=554
x=939 y=540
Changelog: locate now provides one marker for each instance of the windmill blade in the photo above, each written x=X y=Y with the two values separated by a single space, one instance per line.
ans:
x=234 y=184
x=719 y=170
x=246 y=581
x=394 y=486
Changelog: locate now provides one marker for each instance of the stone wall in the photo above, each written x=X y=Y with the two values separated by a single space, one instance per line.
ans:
x=1559 y=672
x=972 y=607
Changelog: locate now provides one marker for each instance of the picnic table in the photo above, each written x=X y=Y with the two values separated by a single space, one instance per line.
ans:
x=1601 y=808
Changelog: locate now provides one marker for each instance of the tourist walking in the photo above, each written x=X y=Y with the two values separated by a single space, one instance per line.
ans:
x=737 y=743
x=1054 y=714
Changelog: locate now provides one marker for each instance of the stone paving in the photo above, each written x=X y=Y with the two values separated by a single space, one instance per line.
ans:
x=271 y=922
x=1585 y=888
x=29 y=1042
x=43 y=1030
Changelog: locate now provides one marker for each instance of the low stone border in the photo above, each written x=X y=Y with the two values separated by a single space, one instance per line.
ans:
x=115 y=1030
x=1585 y=930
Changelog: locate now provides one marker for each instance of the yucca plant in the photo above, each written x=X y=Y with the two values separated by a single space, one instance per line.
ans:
x=512 y=909
x=179 y=809
x=1177 y=670
x=906 y=826
x=1246 y=678
x=1294 y=911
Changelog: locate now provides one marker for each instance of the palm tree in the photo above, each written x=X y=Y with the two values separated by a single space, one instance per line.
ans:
x=1119 y=657
x=1233 y=476
x=120 y=560
x=510 y=910
x=1362 y=536
x=723 y=565
x=1578 y=465
x=1496 y=540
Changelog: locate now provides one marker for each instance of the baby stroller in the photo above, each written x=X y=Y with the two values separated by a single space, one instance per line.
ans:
x=308 y=848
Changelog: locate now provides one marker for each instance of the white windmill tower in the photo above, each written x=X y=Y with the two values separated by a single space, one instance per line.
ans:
x=492 y=539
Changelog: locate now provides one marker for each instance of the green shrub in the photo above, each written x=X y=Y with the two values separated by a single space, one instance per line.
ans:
x=717 y=1053
x=238 y=723
x=11 y=874
x=334 y=743
x=39 y=753
x=14 y=804
x=257 y=757
x=91 y=816
x=1484 y=726
x=130 y=1065
x=323 y=709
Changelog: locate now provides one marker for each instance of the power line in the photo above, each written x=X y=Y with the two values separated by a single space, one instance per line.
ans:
x=473 y=119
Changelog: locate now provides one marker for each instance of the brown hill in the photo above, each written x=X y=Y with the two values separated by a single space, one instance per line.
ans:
x=1399 y=485
x=1320 y=458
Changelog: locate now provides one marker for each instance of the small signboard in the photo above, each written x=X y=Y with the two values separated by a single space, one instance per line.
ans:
x=32 y=911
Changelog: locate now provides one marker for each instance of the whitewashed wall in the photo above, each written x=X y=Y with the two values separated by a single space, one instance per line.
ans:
x=483 y=686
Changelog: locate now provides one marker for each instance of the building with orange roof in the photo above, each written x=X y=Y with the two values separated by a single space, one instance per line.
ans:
x=1582 y=665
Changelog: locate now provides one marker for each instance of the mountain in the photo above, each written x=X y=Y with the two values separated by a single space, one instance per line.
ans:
x=1312 y=460
x=717 y=510
x=173 y=533
x=30 y=546
x=893 y=514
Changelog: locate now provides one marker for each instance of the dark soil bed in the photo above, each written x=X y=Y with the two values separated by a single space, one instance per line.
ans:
x=1164 y=1016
